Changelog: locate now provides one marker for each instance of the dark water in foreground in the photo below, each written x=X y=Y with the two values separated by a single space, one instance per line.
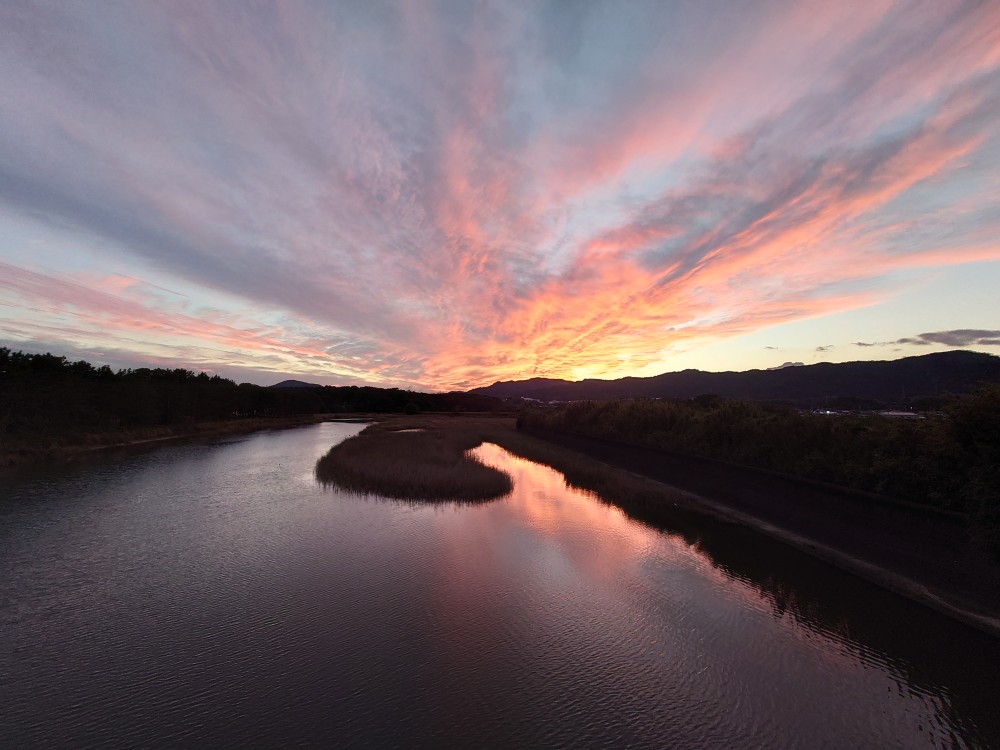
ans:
x=215 y=595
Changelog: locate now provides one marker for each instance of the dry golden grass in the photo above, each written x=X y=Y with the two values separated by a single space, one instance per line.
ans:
x=413 y=460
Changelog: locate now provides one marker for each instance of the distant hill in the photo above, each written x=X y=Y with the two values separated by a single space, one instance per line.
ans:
x=893 y=382
x=295 y=384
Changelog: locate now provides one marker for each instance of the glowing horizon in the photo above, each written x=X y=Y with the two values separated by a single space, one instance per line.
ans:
x=444 y=195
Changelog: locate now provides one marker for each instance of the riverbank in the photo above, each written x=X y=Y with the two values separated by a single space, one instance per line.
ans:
x=67 y=448
x=927 y=556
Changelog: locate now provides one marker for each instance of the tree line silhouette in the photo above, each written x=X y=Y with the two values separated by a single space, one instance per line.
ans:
x=44 y=396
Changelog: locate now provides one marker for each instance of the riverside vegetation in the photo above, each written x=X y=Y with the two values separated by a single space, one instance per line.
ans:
x=51 y=406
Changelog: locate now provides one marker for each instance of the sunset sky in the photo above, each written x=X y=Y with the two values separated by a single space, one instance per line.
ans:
x=441 y=195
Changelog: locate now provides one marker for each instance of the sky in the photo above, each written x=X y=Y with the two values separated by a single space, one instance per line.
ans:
x=439 y=195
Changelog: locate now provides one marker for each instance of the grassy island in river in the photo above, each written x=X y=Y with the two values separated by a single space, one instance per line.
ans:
x=412 y=463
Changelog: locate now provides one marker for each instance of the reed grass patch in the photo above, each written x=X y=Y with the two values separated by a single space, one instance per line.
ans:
x=412 y=462
x=427 y=458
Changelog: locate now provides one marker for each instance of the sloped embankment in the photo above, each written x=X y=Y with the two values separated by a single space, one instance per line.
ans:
x=927 y=555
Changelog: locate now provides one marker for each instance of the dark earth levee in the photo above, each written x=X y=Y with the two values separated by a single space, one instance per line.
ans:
x=929 y=548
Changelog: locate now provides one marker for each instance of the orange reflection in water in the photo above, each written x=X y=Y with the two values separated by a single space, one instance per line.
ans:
x=612 y=573
x=596 y=537
x=601 y=543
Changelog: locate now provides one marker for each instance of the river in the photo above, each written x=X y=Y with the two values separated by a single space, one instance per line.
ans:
x=213 y=594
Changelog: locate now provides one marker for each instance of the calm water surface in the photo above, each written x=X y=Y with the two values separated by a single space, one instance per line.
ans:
x=216 y=595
